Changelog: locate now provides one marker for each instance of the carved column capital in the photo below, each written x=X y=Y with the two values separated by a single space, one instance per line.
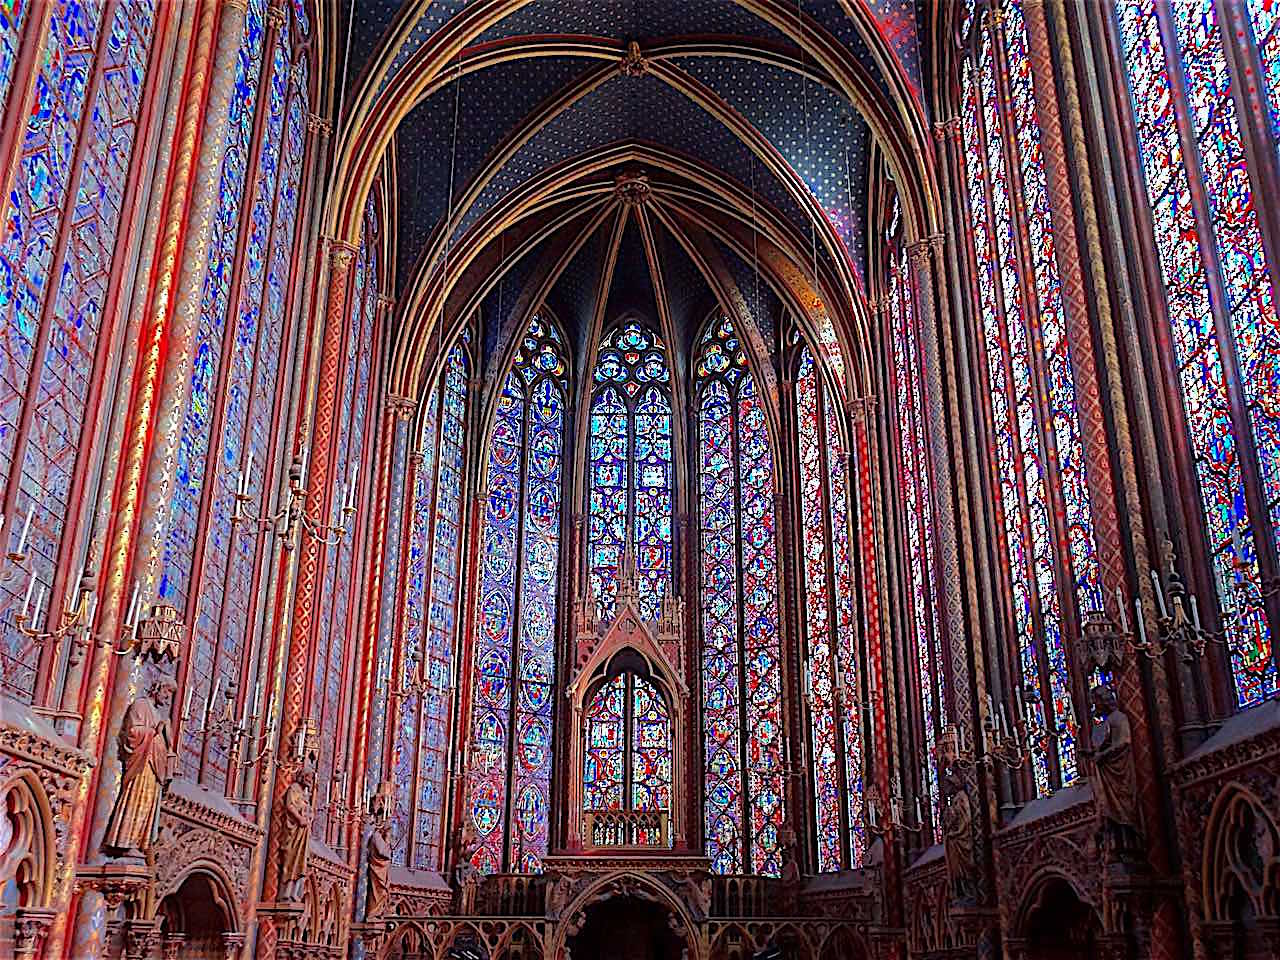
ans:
x=947 y=129
x=30 y=928
x=319 y=126
x=277 y=16
x=341 y=253
x=400 y=406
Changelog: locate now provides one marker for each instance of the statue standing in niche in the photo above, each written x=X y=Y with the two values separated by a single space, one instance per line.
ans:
x=790 y=899
x=379 y=853
x=294 y=847
x=957 y=828
x=1115 y=787
x=145 y=746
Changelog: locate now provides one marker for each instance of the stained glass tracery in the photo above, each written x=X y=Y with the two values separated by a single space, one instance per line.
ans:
x=627 y=754
x=830 y=666
x=741 y=659
x=512 y=689
x=630 y=455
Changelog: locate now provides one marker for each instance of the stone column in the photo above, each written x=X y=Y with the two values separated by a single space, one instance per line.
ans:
x=310 y=560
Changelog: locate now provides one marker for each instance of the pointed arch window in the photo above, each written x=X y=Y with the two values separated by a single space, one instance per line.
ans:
x=1044 y=514
x=741 y=657
x=915 y=492
x=630 y=459
x=1218 y=281
x=510 y=750
x=627 y=761
x=76 y=111
x=829 y=623
x=419 y=762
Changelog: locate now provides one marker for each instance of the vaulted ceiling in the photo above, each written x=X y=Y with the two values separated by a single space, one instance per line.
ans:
x=506 y=158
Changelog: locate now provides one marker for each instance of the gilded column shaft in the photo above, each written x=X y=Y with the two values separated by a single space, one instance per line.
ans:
x=310 y=560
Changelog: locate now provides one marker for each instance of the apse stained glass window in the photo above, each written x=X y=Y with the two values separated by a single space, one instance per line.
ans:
x=430 y=618
x=830 y=664
x=741 y=659
x=1044 y=511
x=631 y=480
x=627 y=759
x=917 y=520
x=509 y=760
x=62 y=215
x=1219 y=295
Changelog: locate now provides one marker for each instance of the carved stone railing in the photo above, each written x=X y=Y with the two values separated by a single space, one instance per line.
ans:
x=628 y=828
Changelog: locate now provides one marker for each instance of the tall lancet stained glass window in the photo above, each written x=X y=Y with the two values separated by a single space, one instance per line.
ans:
x=631 y=480
x=1043 y=508
x=429 y=624
x=1218 y=289
x=741 y=660
x=63 y=211
x=509 y=775
x=917 y=521
x=830 y=669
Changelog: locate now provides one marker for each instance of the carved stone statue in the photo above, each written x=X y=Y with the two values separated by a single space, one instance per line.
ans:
x=957 y=830
x=379 y=864
x=294 y=846
x=465 y=873
x=1115 y=788
x=145 y=746
x=790 y=898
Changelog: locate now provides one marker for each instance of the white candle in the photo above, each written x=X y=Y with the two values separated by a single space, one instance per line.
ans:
x=213 y=696
x=186 y=704
x=1142 y=627
x=1195 y=611
x=919 y=815
x=26 y=601
x=26 y=529
x=248 y=472
x=303 y=472
x=257 y=700
x=1124 y=613
x=93 y=608
x=131 y=616
x=1155 y=582
x=35 y=617
x=302 y=741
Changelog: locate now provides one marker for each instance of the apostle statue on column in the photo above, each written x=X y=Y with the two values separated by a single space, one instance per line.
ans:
x=1115 y=788
x=295 y=844
x=379 y=859
x=145 y=747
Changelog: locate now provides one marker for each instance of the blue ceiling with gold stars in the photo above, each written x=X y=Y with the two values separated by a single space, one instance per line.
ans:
x=811 y=128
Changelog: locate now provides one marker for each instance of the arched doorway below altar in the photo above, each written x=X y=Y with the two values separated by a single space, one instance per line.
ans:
x=627 y=928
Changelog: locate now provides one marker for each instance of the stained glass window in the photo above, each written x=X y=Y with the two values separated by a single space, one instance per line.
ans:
x=830 y=666
x=1219 y=295
x=631 y=486
x=62 y=215
x=917 y=519
x=627 y=760
x=1044 y=512
x=513 y=684
x=431 y=616
x=741 y=659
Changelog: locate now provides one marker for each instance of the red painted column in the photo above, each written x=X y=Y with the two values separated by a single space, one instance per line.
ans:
x=396 y=410
x=310 y=559
x=862 y=465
